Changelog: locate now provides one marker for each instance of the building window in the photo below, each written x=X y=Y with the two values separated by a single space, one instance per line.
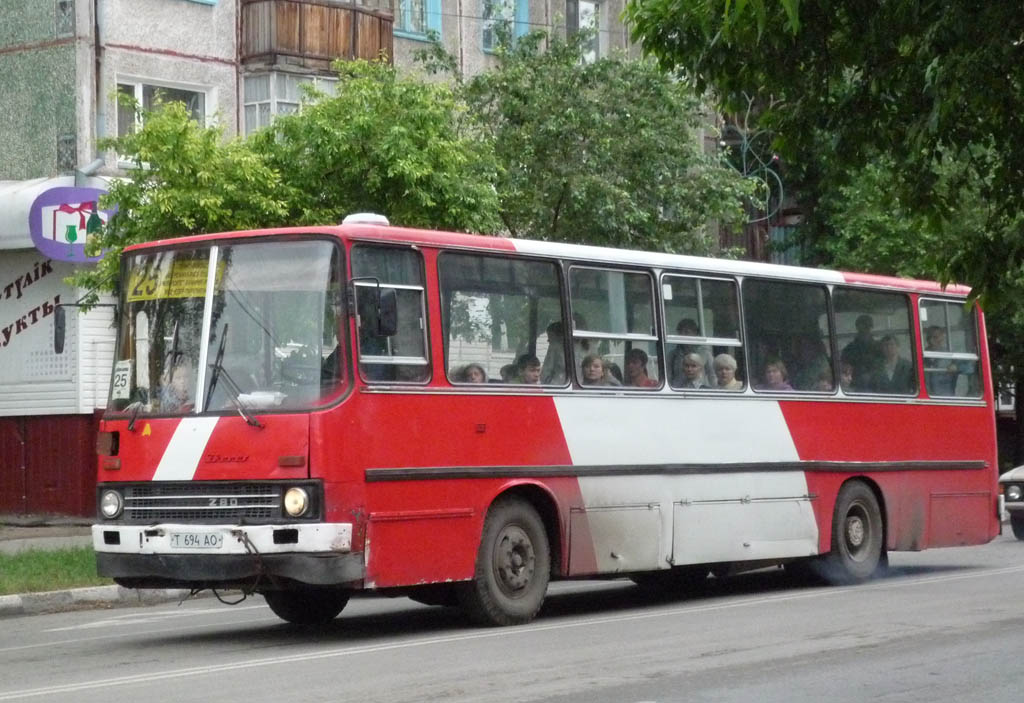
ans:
x=416 y=18
x=271 y=94
x=504 y=18
x=149 y=97
x=587 y=15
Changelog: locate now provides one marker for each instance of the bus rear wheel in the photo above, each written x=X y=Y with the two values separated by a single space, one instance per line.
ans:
x=513 y=566
x=856 y=536
x=307 y=606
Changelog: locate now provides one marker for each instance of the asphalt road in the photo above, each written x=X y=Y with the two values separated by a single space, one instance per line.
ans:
x=942 y=625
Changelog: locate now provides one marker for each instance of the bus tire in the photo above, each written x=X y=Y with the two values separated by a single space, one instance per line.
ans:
x=308 y=606
x=856 y=536
x=513 y=566
x=1017 y=525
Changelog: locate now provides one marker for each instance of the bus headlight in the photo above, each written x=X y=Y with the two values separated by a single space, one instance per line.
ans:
x=1013 y=492
x=296 y=502
x=111 y=504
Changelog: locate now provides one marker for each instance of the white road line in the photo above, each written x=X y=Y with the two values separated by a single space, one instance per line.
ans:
x=467 y=637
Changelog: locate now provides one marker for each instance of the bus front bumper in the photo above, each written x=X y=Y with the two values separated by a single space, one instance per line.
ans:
x=206 y=556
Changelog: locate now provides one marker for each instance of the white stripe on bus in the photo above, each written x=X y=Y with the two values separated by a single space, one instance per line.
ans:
x=181 y=458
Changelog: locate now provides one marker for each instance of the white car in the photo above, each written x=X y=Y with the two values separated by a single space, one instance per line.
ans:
x=1012 y=484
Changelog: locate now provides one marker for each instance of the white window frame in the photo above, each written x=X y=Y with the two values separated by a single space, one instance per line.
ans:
x=327 y=84
x=139 y=84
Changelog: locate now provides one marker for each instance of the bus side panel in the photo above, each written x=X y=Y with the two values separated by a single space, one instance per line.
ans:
x=425 y=528
x=945 y=505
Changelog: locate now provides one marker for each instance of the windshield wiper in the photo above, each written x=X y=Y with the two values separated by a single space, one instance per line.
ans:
x=234 y=391
x=134 y=408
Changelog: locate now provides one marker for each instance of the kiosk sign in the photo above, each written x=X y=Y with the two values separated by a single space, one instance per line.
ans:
x=61 y=221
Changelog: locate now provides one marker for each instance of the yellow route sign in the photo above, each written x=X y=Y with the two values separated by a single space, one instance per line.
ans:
x=185 y=278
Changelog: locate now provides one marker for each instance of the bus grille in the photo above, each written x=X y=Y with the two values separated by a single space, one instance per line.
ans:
x=202 y=502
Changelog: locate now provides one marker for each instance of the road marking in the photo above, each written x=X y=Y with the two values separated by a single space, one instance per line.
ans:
x=489 y=634
x=146 y=618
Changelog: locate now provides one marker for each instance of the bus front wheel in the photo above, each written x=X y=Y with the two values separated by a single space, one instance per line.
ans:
x=856 y=536
x=312 y=606
x=513 y=566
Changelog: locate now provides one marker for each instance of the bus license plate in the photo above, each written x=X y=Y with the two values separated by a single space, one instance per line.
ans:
x=196 y=540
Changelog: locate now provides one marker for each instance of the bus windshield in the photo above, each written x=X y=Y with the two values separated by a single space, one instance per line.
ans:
x=249 y=326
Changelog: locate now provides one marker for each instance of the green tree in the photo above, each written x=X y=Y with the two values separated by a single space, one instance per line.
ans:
x=186 y=180
x=842 y=82
x=393 y=145
x=603 y=153
x=385 y=143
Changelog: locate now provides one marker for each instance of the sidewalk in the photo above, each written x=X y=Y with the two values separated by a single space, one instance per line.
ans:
x=20 y=533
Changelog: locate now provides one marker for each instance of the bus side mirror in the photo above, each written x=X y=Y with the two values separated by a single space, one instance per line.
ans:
x=59 y=329
x=387 y=313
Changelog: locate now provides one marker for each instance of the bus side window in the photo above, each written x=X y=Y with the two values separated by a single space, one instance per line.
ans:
x=615 y=340
x=501 y=316
x=951 y=357
x=789 y=335
x=874 y=336
x=702 y=318
x=402 y=357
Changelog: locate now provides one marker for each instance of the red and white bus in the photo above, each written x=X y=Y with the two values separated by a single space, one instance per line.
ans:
x=309 y=412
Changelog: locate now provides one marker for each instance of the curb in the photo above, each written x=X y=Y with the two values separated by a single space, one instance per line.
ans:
x=82 y=598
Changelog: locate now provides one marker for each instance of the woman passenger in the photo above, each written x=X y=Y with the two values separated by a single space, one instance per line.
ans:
x=725 y=372
x=693 y=372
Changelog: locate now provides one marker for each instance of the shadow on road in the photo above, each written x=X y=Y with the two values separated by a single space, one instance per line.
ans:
x=402 y=617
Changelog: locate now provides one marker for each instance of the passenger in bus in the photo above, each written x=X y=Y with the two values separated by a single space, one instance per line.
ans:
x=845 y=375
x=595 y=372
x=175 y=390
x=693 y=372
x=636 y=370
x=945 y=373
x=552 y=371
x=527 y=370
x=896 y=374
x=864 y=353
x=472 y=373
x=775 y=377
x=725 y=373
x=686 y=327
x=813 y=369
x=507 y=373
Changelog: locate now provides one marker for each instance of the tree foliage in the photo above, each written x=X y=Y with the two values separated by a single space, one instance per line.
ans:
x=844 y=82
x=185 y=180
x=606 y=152
x=384 y=143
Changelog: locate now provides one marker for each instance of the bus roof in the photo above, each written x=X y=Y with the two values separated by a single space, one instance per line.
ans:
x=697 y=264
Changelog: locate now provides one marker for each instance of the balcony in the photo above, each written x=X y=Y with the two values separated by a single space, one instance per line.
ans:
x=312 y=33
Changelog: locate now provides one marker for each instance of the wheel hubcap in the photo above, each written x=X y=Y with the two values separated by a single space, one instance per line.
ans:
x=514 y=560
x=857 y=532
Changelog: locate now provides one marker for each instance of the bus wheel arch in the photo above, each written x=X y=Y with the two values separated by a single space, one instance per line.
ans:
x=858 y=534
x=513 y=563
